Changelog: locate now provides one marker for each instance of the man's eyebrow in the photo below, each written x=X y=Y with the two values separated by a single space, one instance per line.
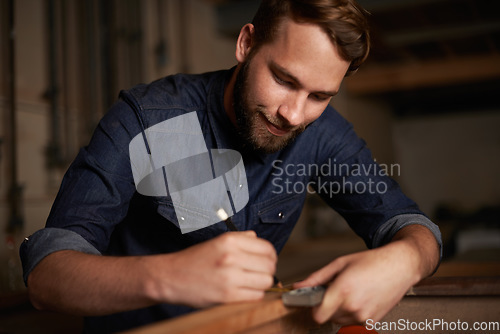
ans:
x=290 y=76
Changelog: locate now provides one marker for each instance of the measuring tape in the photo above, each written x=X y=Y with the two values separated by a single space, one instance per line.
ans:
x=305 y=297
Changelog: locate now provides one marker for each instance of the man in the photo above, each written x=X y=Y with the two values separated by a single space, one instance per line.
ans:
x=120 y=256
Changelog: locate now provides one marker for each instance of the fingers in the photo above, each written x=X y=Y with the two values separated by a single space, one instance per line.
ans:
x=238 y=266
x=247 y=295
x=331 y=303
x=351 y=298
x=234 y=284
x=340 y=305
x=249 y=242
x=255 y=281
x=337 y=304
x=332 y=299
x=246 y=251
x=251 y=260
x=248 y=262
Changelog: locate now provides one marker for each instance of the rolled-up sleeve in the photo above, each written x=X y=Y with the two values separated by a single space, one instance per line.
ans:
x=49 y=240
x=388 y=230
x=94 y=195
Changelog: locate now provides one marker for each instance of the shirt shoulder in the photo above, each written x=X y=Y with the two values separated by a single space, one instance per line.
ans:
x=331 y=135
x=331 y=122
x=185 y=91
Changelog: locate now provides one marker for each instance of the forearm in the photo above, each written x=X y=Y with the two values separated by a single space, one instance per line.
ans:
x=83 y=284
x=232 y=267
x=421 y=246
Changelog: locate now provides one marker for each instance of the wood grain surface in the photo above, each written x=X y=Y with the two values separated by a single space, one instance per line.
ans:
x=450 y=298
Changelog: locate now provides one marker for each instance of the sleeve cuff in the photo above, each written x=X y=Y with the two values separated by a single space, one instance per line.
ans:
x=386 y=232
x=47 y=241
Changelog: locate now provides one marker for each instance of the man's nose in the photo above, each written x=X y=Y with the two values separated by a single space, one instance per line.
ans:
x=292 y=110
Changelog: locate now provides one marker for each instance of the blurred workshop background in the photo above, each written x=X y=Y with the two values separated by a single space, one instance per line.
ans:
x=426 y=102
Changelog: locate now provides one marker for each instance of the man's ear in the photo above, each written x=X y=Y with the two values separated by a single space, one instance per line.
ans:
x=245 y=42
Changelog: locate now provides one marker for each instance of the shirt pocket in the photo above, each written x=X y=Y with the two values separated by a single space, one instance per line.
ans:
x=279 y=210
x=165 y=208
x=276 y=217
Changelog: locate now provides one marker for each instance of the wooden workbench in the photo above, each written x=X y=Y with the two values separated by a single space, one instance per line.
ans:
x=447 y=299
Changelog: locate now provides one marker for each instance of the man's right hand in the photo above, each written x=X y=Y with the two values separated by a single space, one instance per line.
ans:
x=235 y=266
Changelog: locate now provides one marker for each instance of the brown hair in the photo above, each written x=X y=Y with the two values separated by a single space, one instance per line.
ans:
x=343 y=20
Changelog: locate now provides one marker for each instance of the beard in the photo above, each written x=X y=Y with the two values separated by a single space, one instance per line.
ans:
x=251 y=120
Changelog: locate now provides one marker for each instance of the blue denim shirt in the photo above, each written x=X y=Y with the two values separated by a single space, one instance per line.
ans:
x=99 y=211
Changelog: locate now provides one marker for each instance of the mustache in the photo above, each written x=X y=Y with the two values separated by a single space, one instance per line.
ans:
x=279 y=121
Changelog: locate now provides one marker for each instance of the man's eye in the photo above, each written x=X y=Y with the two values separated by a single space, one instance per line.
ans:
x=320 y=98
x=280 y=81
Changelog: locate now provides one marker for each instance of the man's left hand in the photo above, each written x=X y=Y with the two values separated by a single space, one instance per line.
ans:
x=368 y=284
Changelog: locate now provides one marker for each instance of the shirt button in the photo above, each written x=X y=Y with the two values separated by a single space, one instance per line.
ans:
x=281 y=215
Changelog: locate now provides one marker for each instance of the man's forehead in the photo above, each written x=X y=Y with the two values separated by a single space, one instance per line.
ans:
x=306 y=51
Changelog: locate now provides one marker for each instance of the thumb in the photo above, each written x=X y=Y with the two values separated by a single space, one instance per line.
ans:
x=322 y=276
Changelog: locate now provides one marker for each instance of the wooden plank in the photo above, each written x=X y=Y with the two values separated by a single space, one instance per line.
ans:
x=452 y=269
x=271 y=316
x=457 y=286
x=228 y=318
x=376 y=79
x=300 y=322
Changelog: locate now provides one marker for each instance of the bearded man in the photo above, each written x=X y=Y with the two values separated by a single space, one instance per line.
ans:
x=124 y=257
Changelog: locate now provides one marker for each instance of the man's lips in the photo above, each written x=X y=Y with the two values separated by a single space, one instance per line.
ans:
x=275 y=130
